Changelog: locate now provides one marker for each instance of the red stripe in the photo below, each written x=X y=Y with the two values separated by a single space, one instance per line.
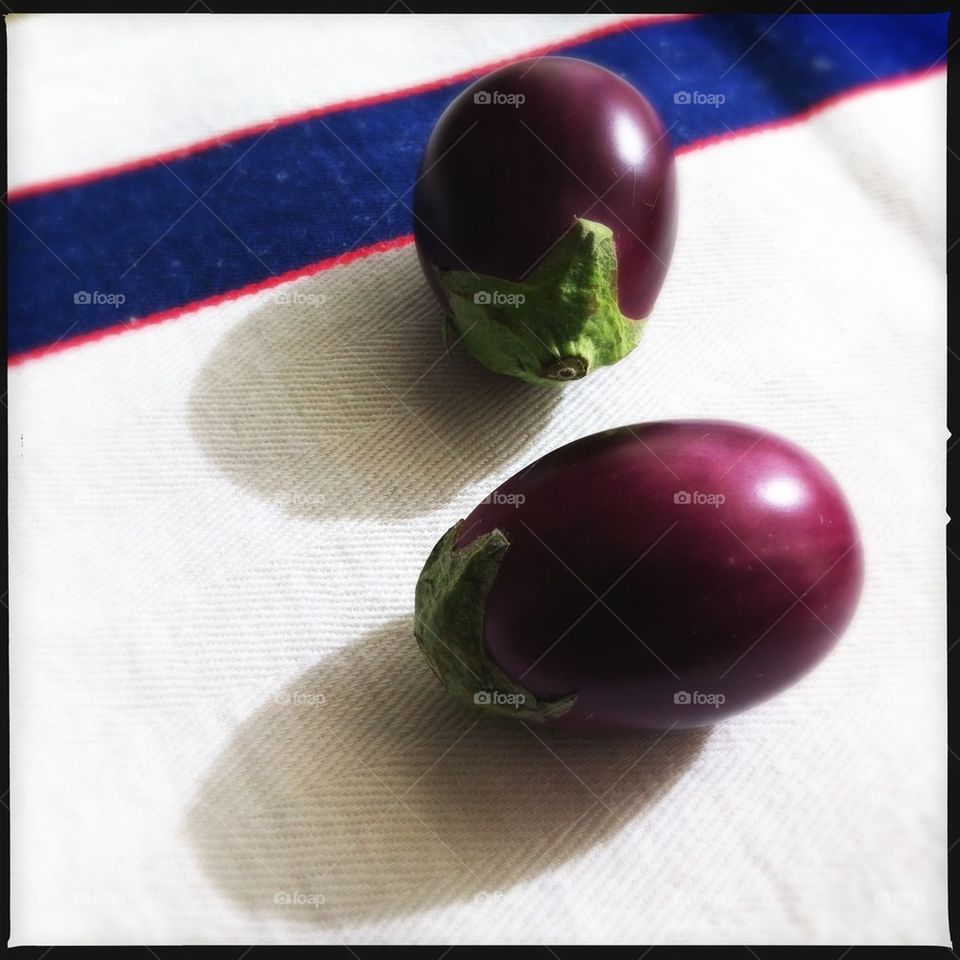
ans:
x=403 y=241
x=250 y=288
x=178 y=153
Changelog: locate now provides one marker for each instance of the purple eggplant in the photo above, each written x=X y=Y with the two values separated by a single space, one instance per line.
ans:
x=545 y=217
x=661 y=575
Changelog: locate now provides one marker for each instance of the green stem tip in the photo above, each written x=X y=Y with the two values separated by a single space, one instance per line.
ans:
x=451 y=598
x=559 y=324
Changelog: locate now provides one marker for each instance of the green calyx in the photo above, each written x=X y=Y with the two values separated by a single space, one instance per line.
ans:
x=451 y=597
x=558 y=324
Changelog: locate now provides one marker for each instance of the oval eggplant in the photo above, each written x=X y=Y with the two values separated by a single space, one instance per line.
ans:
x=545 y=217
x=661 y=575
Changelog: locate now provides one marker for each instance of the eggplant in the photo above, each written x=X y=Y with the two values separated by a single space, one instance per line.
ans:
x=545 y=217
x=666 y=574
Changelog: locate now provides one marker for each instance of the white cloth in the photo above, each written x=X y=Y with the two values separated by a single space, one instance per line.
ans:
x=222 y=730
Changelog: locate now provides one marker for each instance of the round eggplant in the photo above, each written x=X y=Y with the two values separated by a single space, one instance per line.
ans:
x=545 y=217
x=661 y=575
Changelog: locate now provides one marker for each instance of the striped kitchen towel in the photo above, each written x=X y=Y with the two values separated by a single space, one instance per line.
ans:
x=235 y=434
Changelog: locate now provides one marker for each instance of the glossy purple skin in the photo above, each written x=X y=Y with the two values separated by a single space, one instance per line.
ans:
x=739 y=599
x=501 y=184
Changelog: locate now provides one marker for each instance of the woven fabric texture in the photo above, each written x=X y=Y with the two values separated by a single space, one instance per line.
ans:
x=222 y=730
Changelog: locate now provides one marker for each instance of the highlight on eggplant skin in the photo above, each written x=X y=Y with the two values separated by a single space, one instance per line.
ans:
x=656 y=576
x=545 y=217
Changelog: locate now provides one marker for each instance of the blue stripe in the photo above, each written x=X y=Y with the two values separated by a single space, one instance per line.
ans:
x=317 y=188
